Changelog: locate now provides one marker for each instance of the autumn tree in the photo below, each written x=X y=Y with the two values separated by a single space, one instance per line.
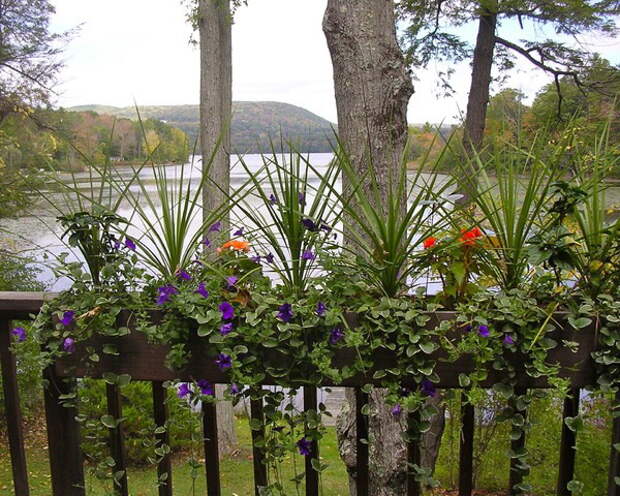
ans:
x=29 y=54
x=430 y=36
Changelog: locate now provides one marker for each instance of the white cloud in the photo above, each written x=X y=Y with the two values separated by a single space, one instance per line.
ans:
x=138 y=49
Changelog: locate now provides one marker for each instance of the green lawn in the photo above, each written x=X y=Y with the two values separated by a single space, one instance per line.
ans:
x=236 y=472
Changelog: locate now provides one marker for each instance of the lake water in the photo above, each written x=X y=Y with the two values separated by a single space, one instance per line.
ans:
x=39 y=234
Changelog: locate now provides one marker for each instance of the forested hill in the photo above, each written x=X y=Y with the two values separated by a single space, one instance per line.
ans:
x=253 y=124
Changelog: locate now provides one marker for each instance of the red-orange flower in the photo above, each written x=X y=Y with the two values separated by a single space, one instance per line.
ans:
x=234 y=244
x=429 y=242
x=469 y=237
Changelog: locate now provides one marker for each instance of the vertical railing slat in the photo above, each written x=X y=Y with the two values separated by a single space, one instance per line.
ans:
x=361 y=430
x=160 y=415
x=613 y=489
x=568 y=444
x=63 y=437
x=312 y=476
x=260 y=468
x=413 y=453
x=117 y=444
x=13 y=412
x=212 y=456
x=516 y=477
x=466 y=453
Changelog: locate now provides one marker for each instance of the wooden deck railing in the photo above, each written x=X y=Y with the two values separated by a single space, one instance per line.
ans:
x=66 y=462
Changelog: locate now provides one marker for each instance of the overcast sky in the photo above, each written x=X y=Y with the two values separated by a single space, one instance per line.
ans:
x=139 y=50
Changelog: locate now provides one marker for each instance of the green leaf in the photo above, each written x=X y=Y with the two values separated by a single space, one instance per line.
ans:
x=109 y=421
x=464 y=380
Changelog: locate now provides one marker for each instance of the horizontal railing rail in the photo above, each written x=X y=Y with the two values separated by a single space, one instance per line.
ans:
x=145 y=362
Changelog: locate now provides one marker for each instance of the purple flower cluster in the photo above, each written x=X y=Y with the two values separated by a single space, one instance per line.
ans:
x=304 y=446
x=183 y=275
x=310 y=225
x=308 y=255
x=19 y=333
x=285 y=312
x=67 y=318
x=223 y=361
x=335 y=335
x=184 y=390
x=206 y=387
x=396 y=410
x=226 y=328
x=238 y=232
x=321 y=308
x=484 y=331
x=230 y=282
x=428 y=388
x=217 y=227
x=165 y=293
x=227 y=311
x=202 y=290
x=69 y=345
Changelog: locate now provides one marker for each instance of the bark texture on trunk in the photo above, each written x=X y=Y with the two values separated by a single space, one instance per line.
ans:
x=372 y=90
x=215 y=98
x=478 y=98
x=371 y=81
x=215 y=113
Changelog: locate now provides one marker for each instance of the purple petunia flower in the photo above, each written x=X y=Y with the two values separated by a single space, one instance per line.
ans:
x=301 y=197
x=231 y=281
x=206 y=387
x=164 y=293
x=223 y=361
x=183 y=390
x=202 y=290
x=67 y=318
x=238 y=232
x=234 y=388
x=269 y=258
x=285 y=312
x=69 y=345
x=206 y=242
x=321 y=308
x=217 y=227
x=484 y=331
x=468 y=328
x=273 y=199
x=304 y=446
x=308 y=255
x=227 y=310
x=508 y=339
x=255 y=259
x=428 y=388
x=309 y=225
x=129 y=244
x=19 y=333
x=183 y=274
x=226 y=328
x=117 y=244
x=335 y=335
x=396 y=410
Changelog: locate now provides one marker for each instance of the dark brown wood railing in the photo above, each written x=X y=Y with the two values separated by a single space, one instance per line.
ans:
x=144 y=361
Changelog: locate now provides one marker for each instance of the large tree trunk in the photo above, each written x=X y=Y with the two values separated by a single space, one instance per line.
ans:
x=215 y=113
x=372 y=89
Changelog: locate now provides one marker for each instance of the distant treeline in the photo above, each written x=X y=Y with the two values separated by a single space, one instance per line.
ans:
x=64 y=139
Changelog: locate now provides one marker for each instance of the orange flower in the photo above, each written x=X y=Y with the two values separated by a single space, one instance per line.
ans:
x=234 y=244
x=429 y=242
x=469 y=237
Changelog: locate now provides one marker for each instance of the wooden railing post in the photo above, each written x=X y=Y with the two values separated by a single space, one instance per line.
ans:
x=117 y=445
x=212 y=455
x=312 y=476
x=63 y=436
x=568 y=444
x=361 y=445
x=260 y=468
x=13 y=412
x=613 y=486
x=160 y=415
x=466 y=452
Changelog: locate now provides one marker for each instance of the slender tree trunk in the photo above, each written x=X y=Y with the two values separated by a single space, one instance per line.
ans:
x=480 y=82
x=478 y=99
x=372 y=89
x=215 y=113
